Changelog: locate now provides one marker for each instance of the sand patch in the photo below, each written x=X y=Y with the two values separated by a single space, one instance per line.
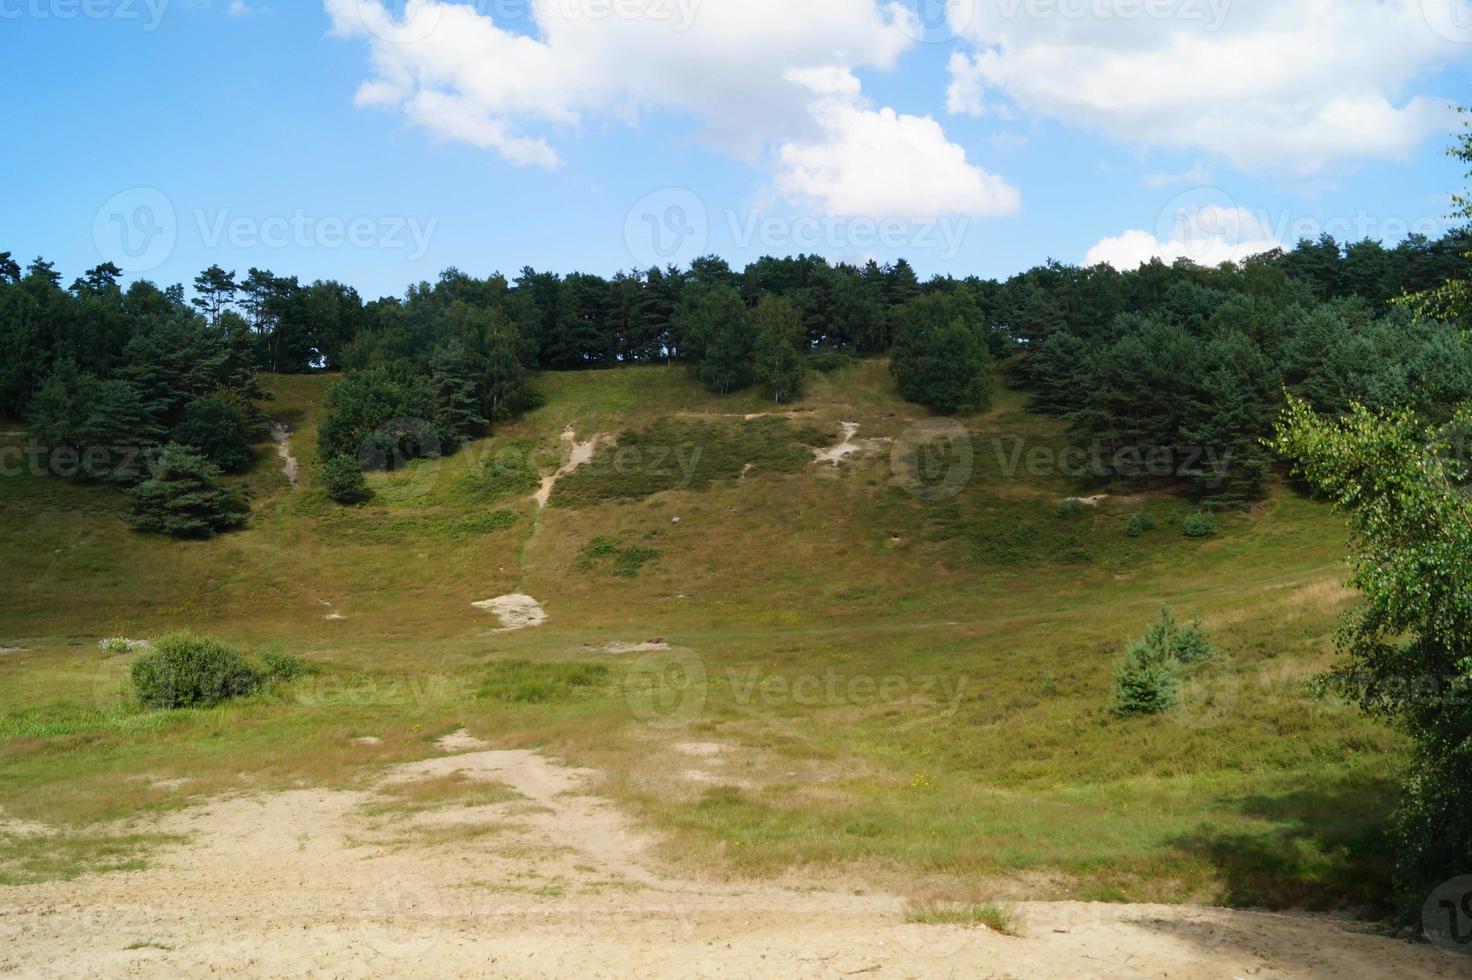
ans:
x=648 y=646
x=702 y=750
x=334 y=617
x=368 y=740
x=8 y=650
x=516 y=611
x=460 y=741
x=847 y=445
x=575 y=454
x=281 y=435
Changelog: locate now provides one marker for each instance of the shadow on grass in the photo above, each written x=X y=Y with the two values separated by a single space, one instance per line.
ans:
x=1326 y=848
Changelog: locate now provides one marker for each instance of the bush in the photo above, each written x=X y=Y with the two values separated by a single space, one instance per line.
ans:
x=1071 y=507
x=528 y=682
x=826 y=360
x=342 y=478
x=1140 y=522
x=183 y=500
x=284 y=667
x=1199 y=525
x=1147 y=680
x=183 y=670
x=626 y=560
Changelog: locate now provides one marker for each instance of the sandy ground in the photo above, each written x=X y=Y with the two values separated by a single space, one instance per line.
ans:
x=556 y=882
x=515 y=611
x=575 y=454
x=281 y=435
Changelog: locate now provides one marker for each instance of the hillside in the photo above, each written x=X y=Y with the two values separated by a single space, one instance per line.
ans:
x=800 y=589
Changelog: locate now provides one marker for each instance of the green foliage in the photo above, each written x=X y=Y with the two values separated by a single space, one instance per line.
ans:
x=1070 y=507
x=677 y=454
x=535 y=682
x=624 y=560
x=826 y=360
x=380 y=421
x=1140 y=522
x=1408 y=651
x=715 y=332
x=183 y=670
x=1148 y=680
x=1201 y=524
x=778 y=348
x=285 y=667
x=215 y=428
x=508 y=473
x=182 y=498
x=342 y=478
x=458 y=380
x=939 y=359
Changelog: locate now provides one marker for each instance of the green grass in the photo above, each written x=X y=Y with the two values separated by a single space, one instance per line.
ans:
x=997 y=918
x=970 y=641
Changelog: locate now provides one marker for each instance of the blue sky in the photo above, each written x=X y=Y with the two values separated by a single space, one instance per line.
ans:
x=381 y=144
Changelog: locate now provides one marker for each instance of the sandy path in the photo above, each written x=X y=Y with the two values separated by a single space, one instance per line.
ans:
x=559 y=883
x=576 y=454
x=281 y=435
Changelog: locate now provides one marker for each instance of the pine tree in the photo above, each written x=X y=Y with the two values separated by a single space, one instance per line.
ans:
x=457 y=378
x=182 y=498
x=715 y=331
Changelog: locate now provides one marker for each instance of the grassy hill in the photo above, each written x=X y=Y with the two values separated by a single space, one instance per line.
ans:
x=900 y=688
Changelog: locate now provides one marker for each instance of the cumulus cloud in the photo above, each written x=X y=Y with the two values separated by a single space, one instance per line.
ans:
x=1207 y=235
x=1293 y=85
x=880 y=162
x=762 y=79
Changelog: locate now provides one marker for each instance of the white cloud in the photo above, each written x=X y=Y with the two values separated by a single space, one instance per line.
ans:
x=1294 y=85
x=1207 y=235
x=758 y=77
x=1197 y=176
x=880 y=162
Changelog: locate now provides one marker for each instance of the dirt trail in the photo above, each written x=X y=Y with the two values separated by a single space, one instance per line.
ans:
x=577 y=454
x=556 y=882
x=281 y=435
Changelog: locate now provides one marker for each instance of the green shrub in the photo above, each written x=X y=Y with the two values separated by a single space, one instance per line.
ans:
x=508 y=473
x=1146 y=682
x=1070 y=507
x=529 y=682
x=826 y=360
x=1201 y=524
x=284 y=667
x=183 y=670
x=1140 y=522
x=1191 y=645
x=182 y=498
x=626 y=561
x=342 y=478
